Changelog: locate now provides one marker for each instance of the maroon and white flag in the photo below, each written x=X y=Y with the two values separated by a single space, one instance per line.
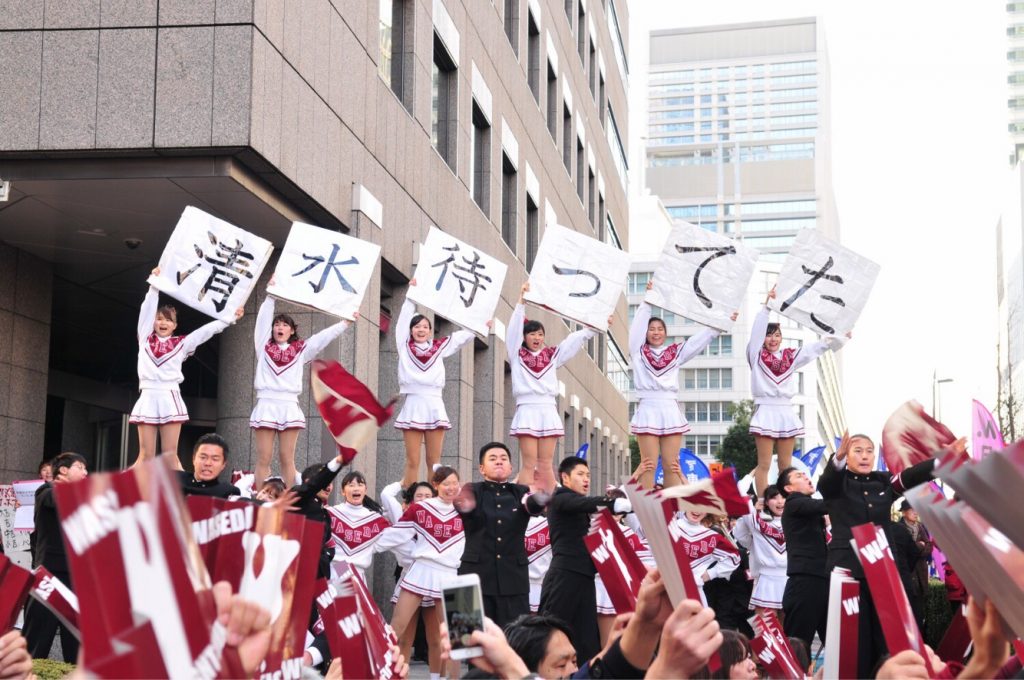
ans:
x=15 y=583
x=350 y=411
x=842 y=632
x=911 y=436
x=772 y=649
x=719 y=495
x=51 y=592
x=894 y=612
x=956 y=642
x=618 y=564
x=218 y=526
x=343 y=626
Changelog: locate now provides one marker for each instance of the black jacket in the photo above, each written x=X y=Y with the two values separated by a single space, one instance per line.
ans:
x=569 y=521
x=495 y=533
x=49 y=544
x=854 y=499
x=803 y=523
x=191 y=486
x=310 y=507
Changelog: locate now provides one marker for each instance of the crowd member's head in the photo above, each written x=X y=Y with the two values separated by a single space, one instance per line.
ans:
x=69 y=467
x=45 y=471
x=307 y=474
x=285 y=330
x=802 y=654
x=533 y=335
x=792 y=480
x=446 y=482
x=544 y=643
x=418 y=491
x=737 y=658
x=574 y=474
x=271 y=489
x=695 y=517
x=909 y=514
x=495 y=462
x=209 y=457
x=774 y=501
x=860 y=457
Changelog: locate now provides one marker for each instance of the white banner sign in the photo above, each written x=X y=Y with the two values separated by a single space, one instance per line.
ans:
x=12 y=540
x=211 y=265
x=578 y=277
x=457 y=281
x=823 y=285
x=325 y=270
x=702 y=275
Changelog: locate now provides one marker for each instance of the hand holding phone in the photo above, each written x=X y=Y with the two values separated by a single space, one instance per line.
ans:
x=462 y=608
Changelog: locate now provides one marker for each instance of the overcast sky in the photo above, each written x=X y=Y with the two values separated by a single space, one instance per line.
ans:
x=920 y=168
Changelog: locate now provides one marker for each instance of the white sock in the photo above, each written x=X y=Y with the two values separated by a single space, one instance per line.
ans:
x=435 y=676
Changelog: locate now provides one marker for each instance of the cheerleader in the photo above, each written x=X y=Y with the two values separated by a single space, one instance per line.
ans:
x=161 y=354
x=280 y=358
x=538 y=552
x=536 y=423
x=711 y=554
x=658 y=424
x=423 y=418
x=765 y=540
x=436 y=527
x=774 y=424
x=356 y=524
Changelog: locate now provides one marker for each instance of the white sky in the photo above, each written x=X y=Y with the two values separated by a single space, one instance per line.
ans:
x=919 y=164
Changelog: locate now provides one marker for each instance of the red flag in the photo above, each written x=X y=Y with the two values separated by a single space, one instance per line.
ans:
x=350 y=411
x=772 y=649
x=719 y=495
x=956 y=642
x=843 y=625
x=15 y=583
x=616 y=561
x=911 y=436
x=50 y=592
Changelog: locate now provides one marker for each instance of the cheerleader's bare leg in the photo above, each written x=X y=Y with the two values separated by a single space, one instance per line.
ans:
x=169 y=435
x=147 y=442
x=433 y=633
x=413 y=443
x=408 y=638
x=544 y=478
x=765 y=451
x=650 y=449
x=434 y=440
x=405 y=611
x=264 y=455
x=286 y=441
x=670 y=459
x=784 y=450
x=527 y=459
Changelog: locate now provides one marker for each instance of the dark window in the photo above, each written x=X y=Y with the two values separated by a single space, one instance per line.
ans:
x=512 y=23
x=481 y=158
x=553 y=103
x=396 y=61
x=444 y=103
x=581 y=162
x=567 y=139
x=533 y=56
x=509 y=202
x=532 y=231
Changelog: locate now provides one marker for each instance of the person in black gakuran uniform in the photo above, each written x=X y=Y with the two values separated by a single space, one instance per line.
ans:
x=568 y=589
x=40 y=624
x=856 y=494
x=209 y=458
x=805 y=600
x=494 y=517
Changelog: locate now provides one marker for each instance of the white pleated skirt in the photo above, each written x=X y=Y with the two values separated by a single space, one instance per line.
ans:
x=426 y=578
x=659 y=417
x=768 y=590
x=604 y=602
x=777 y=421
x=536 y=420
x=423 y=412
x=534 y=597
x=277 y=414
x=159 y=407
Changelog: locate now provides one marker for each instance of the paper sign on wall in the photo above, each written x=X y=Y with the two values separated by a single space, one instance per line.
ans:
x=702 y=275
x=457 y=281
x=823 y=285
x=325 y=270
x=578 y=277
x=211 y=265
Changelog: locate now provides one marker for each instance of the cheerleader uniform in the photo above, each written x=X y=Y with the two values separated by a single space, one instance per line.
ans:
x=159 y=366
x=393 y=510
x=437 y=529
x=710 y=552
x=421 y=374
x=279 y=371
x=656 y=377
x=534 y=381
x=763 y=537
x=604 y=601
x=538 y=552
x=771 y=383
x=354 y=529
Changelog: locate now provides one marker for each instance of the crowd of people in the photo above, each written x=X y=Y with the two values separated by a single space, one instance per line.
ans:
x=522 y=531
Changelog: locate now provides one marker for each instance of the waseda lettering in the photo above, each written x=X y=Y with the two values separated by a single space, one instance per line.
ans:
x=92 y=522
x=223 y=523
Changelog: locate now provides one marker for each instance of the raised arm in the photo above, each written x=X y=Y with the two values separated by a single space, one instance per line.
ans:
x=638 y=329
x=805 y=506
x=568 y=348
x=400 y=533
x=514 y=333
x=147 y=314
x=808 y=354
x=574 y=503
x=915 y=475
x=757 y=333
x=696 y=344
x=320 y=479
x=202 y=334
x=264 y=325
x=318 y=341
x=726 y=564
x=402 y=325
x=389 y=501
x=455 y=342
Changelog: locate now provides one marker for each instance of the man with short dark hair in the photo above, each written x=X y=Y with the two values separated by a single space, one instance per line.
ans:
x=40 y=624
x=805 y=599
x=568 y=589
x=495 y=513
x=544 y=643
x=209 y=458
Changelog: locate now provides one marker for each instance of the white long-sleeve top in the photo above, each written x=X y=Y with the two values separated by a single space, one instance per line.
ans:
x=279 y=365
x=762 y=535
x=538 y=547
x=534 y=380
x=160 y=359
x=709 y=551
x=421 y=365
x=355 y=529
x=656 y=369
x=436 y=528
x=393 y=510
x=770 y=373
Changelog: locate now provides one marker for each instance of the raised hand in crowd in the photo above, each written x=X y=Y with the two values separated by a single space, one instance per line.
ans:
x=498 y=658
x=247 y=624
x=991 y=649
x=15 y=661
x=689 y=638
